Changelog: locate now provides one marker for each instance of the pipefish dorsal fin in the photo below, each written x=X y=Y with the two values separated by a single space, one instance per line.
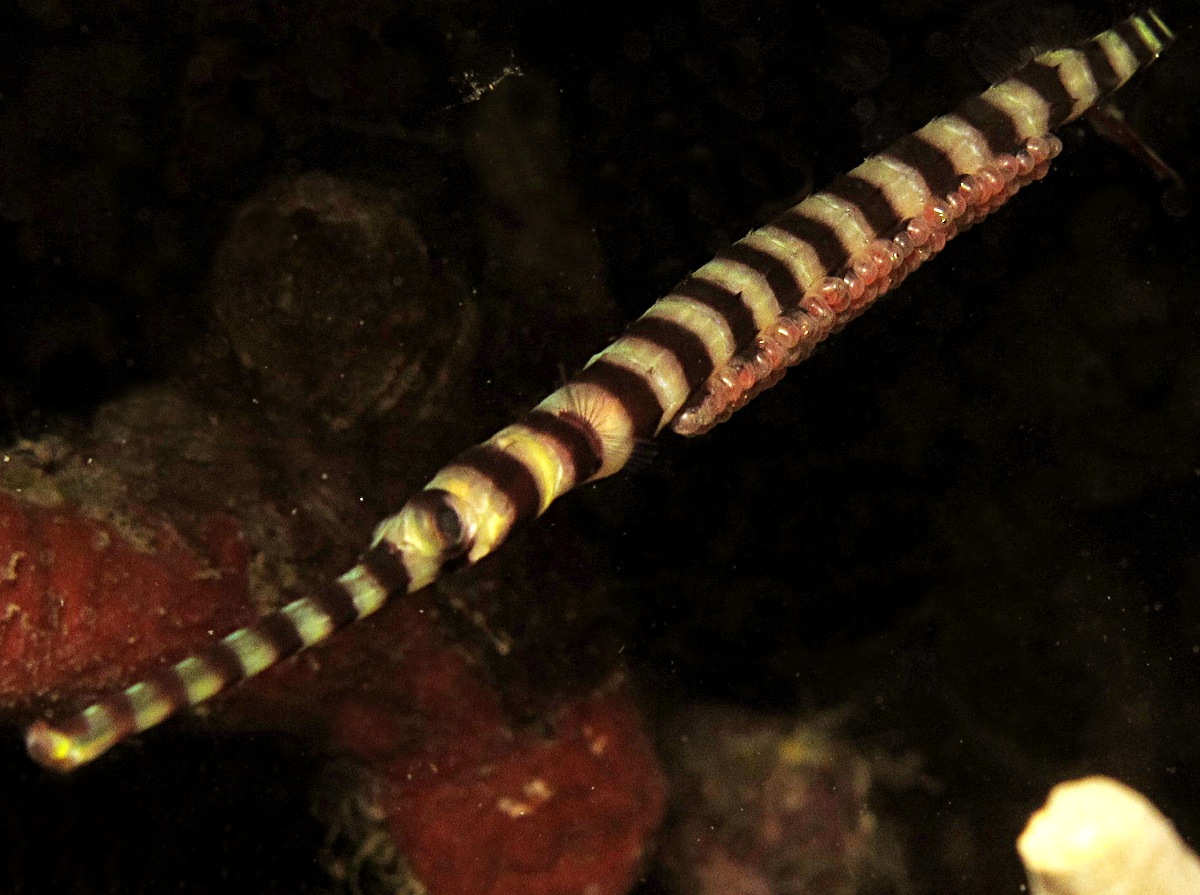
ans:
x=1003 y=36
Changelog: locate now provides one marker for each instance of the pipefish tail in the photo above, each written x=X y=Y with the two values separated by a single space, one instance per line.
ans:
x=726 y=332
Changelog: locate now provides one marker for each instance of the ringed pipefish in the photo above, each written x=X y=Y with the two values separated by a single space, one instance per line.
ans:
x=725 y=333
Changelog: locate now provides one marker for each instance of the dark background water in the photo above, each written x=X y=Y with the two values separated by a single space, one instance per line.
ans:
x=971 y=518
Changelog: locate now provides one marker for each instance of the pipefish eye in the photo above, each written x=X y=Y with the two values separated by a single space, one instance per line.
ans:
x=442 y=522
x=450 y=526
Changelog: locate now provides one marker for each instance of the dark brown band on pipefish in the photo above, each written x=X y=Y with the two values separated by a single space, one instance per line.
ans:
x=386 y=567
x=631 y=390
x=508 y=475
x=567 y=431
x=992 y=122
x=728 y=305
x=819 y=236
x=686 y=347
x=1046 y=80
x=778 y=275
x=934 y=166
x=870 y=200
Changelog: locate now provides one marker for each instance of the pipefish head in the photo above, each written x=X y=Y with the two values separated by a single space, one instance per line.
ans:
x=431 y=530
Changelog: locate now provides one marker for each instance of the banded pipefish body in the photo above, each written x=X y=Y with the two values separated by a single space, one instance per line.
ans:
x=726 y=332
